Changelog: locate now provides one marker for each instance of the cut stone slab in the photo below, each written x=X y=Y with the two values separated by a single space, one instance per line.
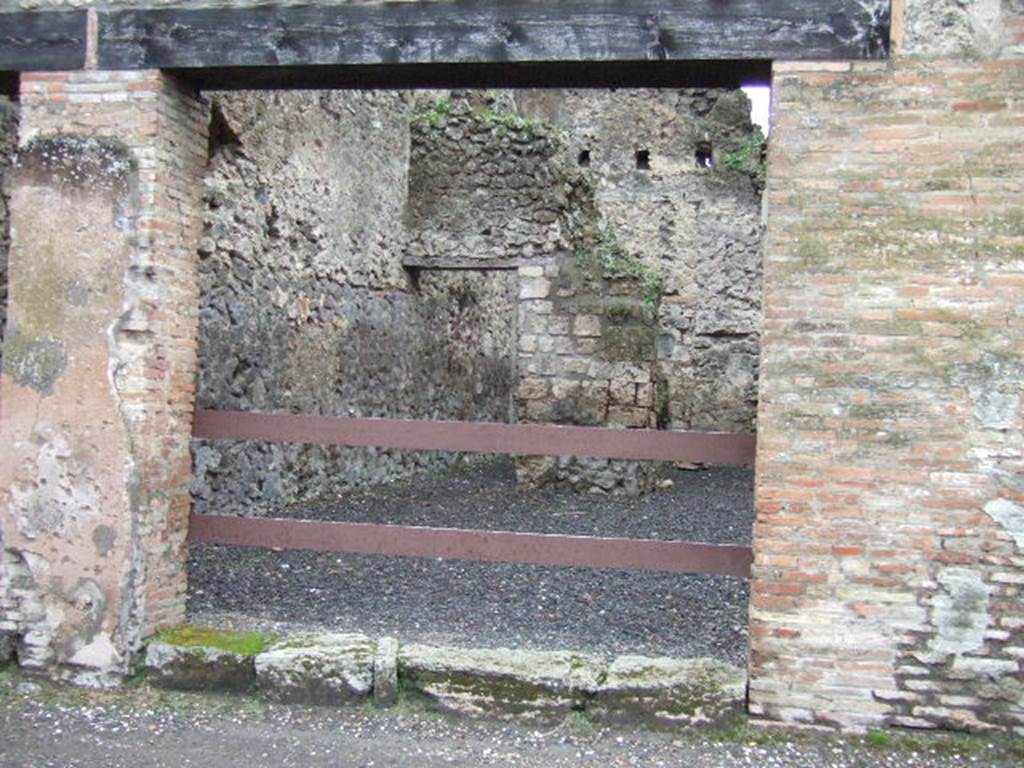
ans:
x=198 y=669
x=500 y=682
x=318 y=669
x=670 y=691
x=385 y=672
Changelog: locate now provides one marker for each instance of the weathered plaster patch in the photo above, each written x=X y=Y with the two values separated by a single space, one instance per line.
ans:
x=80 y=631
x=55 y=494
x=104 y=537
x=1010 y=516
x=994 y=386
x=81 y=164
x=952 y=27
x=960 y=615
x=37 y=363
x=100 y=653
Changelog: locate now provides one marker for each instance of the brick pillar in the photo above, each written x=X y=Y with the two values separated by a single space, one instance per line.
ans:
x=96 y=393
x=888 y=582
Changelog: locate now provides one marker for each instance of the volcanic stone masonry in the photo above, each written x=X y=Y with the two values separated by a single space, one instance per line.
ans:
x=306 y=306
x=361 y=257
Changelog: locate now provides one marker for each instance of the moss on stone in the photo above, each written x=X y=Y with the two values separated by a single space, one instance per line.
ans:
x=628 y=343
x=242 y=643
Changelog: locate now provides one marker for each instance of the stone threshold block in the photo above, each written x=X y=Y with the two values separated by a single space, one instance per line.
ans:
x=666 y=691
x=198 y=669
x=327 y=669
x=500 y=681
x=526 y=686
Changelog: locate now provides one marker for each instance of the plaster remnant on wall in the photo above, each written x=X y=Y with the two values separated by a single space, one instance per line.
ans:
x=994 y=387
x=72 y=163
x=1010 y=516
x=34 y=362
x=84 y=611
x=55 y=494
x=103 y=538
x=960 y=614
x=945 y=28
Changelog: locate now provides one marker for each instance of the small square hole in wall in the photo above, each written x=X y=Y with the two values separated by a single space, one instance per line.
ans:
x=643 y=160
x=584 y=159
x=703 y=155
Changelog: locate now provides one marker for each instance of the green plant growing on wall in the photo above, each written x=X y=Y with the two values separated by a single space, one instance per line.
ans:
x=505 y=121
x=603 y=251
x=740 y=159
x=434 y=113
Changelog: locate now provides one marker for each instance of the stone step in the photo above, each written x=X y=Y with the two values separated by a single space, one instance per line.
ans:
x=543 y=686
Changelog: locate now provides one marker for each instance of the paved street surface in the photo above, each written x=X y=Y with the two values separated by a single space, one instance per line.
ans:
x=48 y=726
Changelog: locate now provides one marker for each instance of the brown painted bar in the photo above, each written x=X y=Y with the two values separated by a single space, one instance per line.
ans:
x=478 y=437
x=488 y=546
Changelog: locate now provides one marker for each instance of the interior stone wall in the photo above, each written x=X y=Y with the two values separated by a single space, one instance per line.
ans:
x=361 y=255
x=695 y=220
x=306 y=305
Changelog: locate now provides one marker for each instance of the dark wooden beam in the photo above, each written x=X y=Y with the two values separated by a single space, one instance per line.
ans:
x=603 y=74
x=44 y=41
x=493 y=31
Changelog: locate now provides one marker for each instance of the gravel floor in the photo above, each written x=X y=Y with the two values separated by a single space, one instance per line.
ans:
x=486 y=604
x=48 y=726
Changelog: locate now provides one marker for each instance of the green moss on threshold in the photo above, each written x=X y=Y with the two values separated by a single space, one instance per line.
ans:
x=242 y=643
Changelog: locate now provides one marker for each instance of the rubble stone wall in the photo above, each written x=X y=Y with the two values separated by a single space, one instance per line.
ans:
x=361 y=254
x=306 y=306
x=677 y=176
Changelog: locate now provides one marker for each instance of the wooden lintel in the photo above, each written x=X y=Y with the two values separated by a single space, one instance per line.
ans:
x=492 y=31
x=574 y=74
x=42 y=41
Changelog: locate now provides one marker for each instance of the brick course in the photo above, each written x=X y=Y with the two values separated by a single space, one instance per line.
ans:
x=124 y=405
x=887 y=581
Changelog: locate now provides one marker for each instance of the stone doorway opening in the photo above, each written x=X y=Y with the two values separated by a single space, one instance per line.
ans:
x=450 y=255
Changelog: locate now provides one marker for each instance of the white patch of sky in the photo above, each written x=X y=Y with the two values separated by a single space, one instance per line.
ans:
x=760 y=105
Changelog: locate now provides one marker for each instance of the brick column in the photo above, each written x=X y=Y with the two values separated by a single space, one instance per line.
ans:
x=96 y=394
x=889 y=539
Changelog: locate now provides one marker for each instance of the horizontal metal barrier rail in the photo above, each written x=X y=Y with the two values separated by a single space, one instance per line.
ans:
x=459 y=544
x=482 y=545
x=479 y=437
